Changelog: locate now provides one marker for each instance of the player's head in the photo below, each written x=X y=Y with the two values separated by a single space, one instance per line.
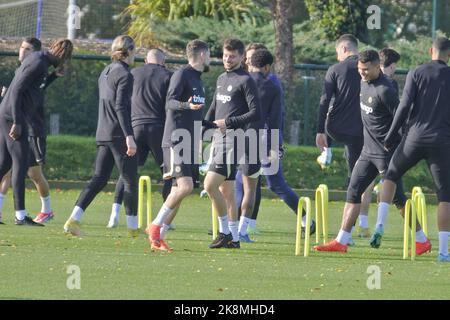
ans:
x=233 y=54
x=198 y=54
x=249 y=52
x=441 y=49
x=62 y=49
x=156 y=56
x=123 y=49
x=388 y=61
x=261 y=61
x=346 y=45
x=369 y=65
x=28 y=46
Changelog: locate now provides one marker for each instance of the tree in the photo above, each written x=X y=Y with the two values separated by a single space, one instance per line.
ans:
x=146 y=12
x=283 y=13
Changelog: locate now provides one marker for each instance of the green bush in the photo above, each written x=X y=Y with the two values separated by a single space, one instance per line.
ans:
x=72 y=158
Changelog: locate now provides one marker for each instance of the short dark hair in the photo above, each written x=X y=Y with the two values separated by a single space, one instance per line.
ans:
x=195 y=47
x=261 y=58
x=255 y=46
x=35 y=43
x=369 y=56
x=388 y=56
x=347 y=37
x=441 y=44
x=234 y=44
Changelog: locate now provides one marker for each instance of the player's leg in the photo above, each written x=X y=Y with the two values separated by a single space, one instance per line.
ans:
x=127 y=167
x=104 y=163
x=405 y=157
x=363 y=174
x=437 y=160
x=212 y=182
x=117 y=204
x=5 y=166
x=228 y=192
x=278 y=185
x=37 y=176
x=363 y=227
x=252 y=223
x=239 y=187
x=4 y=186
x=248 y=204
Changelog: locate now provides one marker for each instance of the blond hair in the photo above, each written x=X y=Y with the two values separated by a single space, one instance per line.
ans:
x=120 y=47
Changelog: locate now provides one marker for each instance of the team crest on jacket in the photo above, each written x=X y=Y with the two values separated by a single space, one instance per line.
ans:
x=230 y=87
x=370 y=100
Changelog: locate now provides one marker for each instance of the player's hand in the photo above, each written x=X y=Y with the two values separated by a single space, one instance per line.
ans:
x=193 y=106
x=16 y=131
x=321 y=141
x=221 y=125
x=4 y=91
x=131 y=146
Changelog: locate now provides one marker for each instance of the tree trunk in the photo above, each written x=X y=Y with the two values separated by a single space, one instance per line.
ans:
x=283 y=13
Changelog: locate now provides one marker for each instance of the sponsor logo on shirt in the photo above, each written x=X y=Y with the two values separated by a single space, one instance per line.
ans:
x=222 y=97
x=198 y=99
x=365 y=108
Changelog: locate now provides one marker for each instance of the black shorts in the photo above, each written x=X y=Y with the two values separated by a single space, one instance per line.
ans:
x=364 y=173
x=148 y=140
x=38 y=148
x=223 y=160
x=408 y=154
x=175 y=167
x=250 y=164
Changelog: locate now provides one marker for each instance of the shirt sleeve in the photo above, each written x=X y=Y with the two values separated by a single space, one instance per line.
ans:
x=329 y=88
x=389 y=98
x=408 y=97
x=26 y=78
x=254 y=113
x=175 y=92
x=123 y=102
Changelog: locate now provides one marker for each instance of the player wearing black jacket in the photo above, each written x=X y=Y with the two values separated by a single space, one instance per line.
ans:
x=148 y=115
x=184 y=102
x=378 y=103
x=115 y=140
x=425 y=99
x=17 y=112
x=235 y=105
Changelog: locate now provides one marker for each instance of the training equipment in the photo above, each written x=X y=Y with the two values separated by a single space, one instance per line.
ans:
x=412 y=208
x=419 y=199
x=303 y=201
x=144 y=180
x=321 y=213
x=321 y=219
x=324 y=160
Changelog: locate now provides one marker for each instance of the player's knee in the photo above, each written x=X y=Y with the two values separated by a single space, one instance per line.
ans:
x=353 y=195
x=35 y=174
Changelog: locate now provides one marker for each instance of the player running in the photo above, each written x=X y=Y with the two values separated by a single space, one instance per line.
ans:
x=379 y=100
x=148 y=115
x=425 y=99
x=184 y=103
x=18 y=114
x=114 y=137
x=235 y=105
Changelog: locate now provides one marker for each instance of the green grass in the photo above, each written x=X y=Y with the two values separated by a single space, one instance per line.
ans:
x=34 y=261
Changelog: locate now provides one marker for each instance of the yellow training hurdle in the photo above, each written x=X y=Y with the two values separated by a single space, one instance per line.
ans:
x=147 y=182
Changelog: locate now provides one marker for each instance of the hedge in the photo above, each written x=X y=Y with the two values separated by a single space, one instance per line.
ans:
x=72 y=157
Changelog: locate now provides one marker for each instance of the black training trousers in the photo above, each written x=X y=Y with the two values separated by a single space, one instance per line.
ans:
x=110 y=154
x=148 y=139
x=14 y=154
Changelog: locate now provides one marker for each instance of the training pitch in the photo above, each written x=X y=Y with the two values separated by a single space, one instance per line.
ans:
x=41 y=263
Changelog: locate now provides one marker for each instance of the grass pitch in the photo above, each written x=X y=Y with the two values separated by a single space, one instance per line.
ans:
x=35 y=261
